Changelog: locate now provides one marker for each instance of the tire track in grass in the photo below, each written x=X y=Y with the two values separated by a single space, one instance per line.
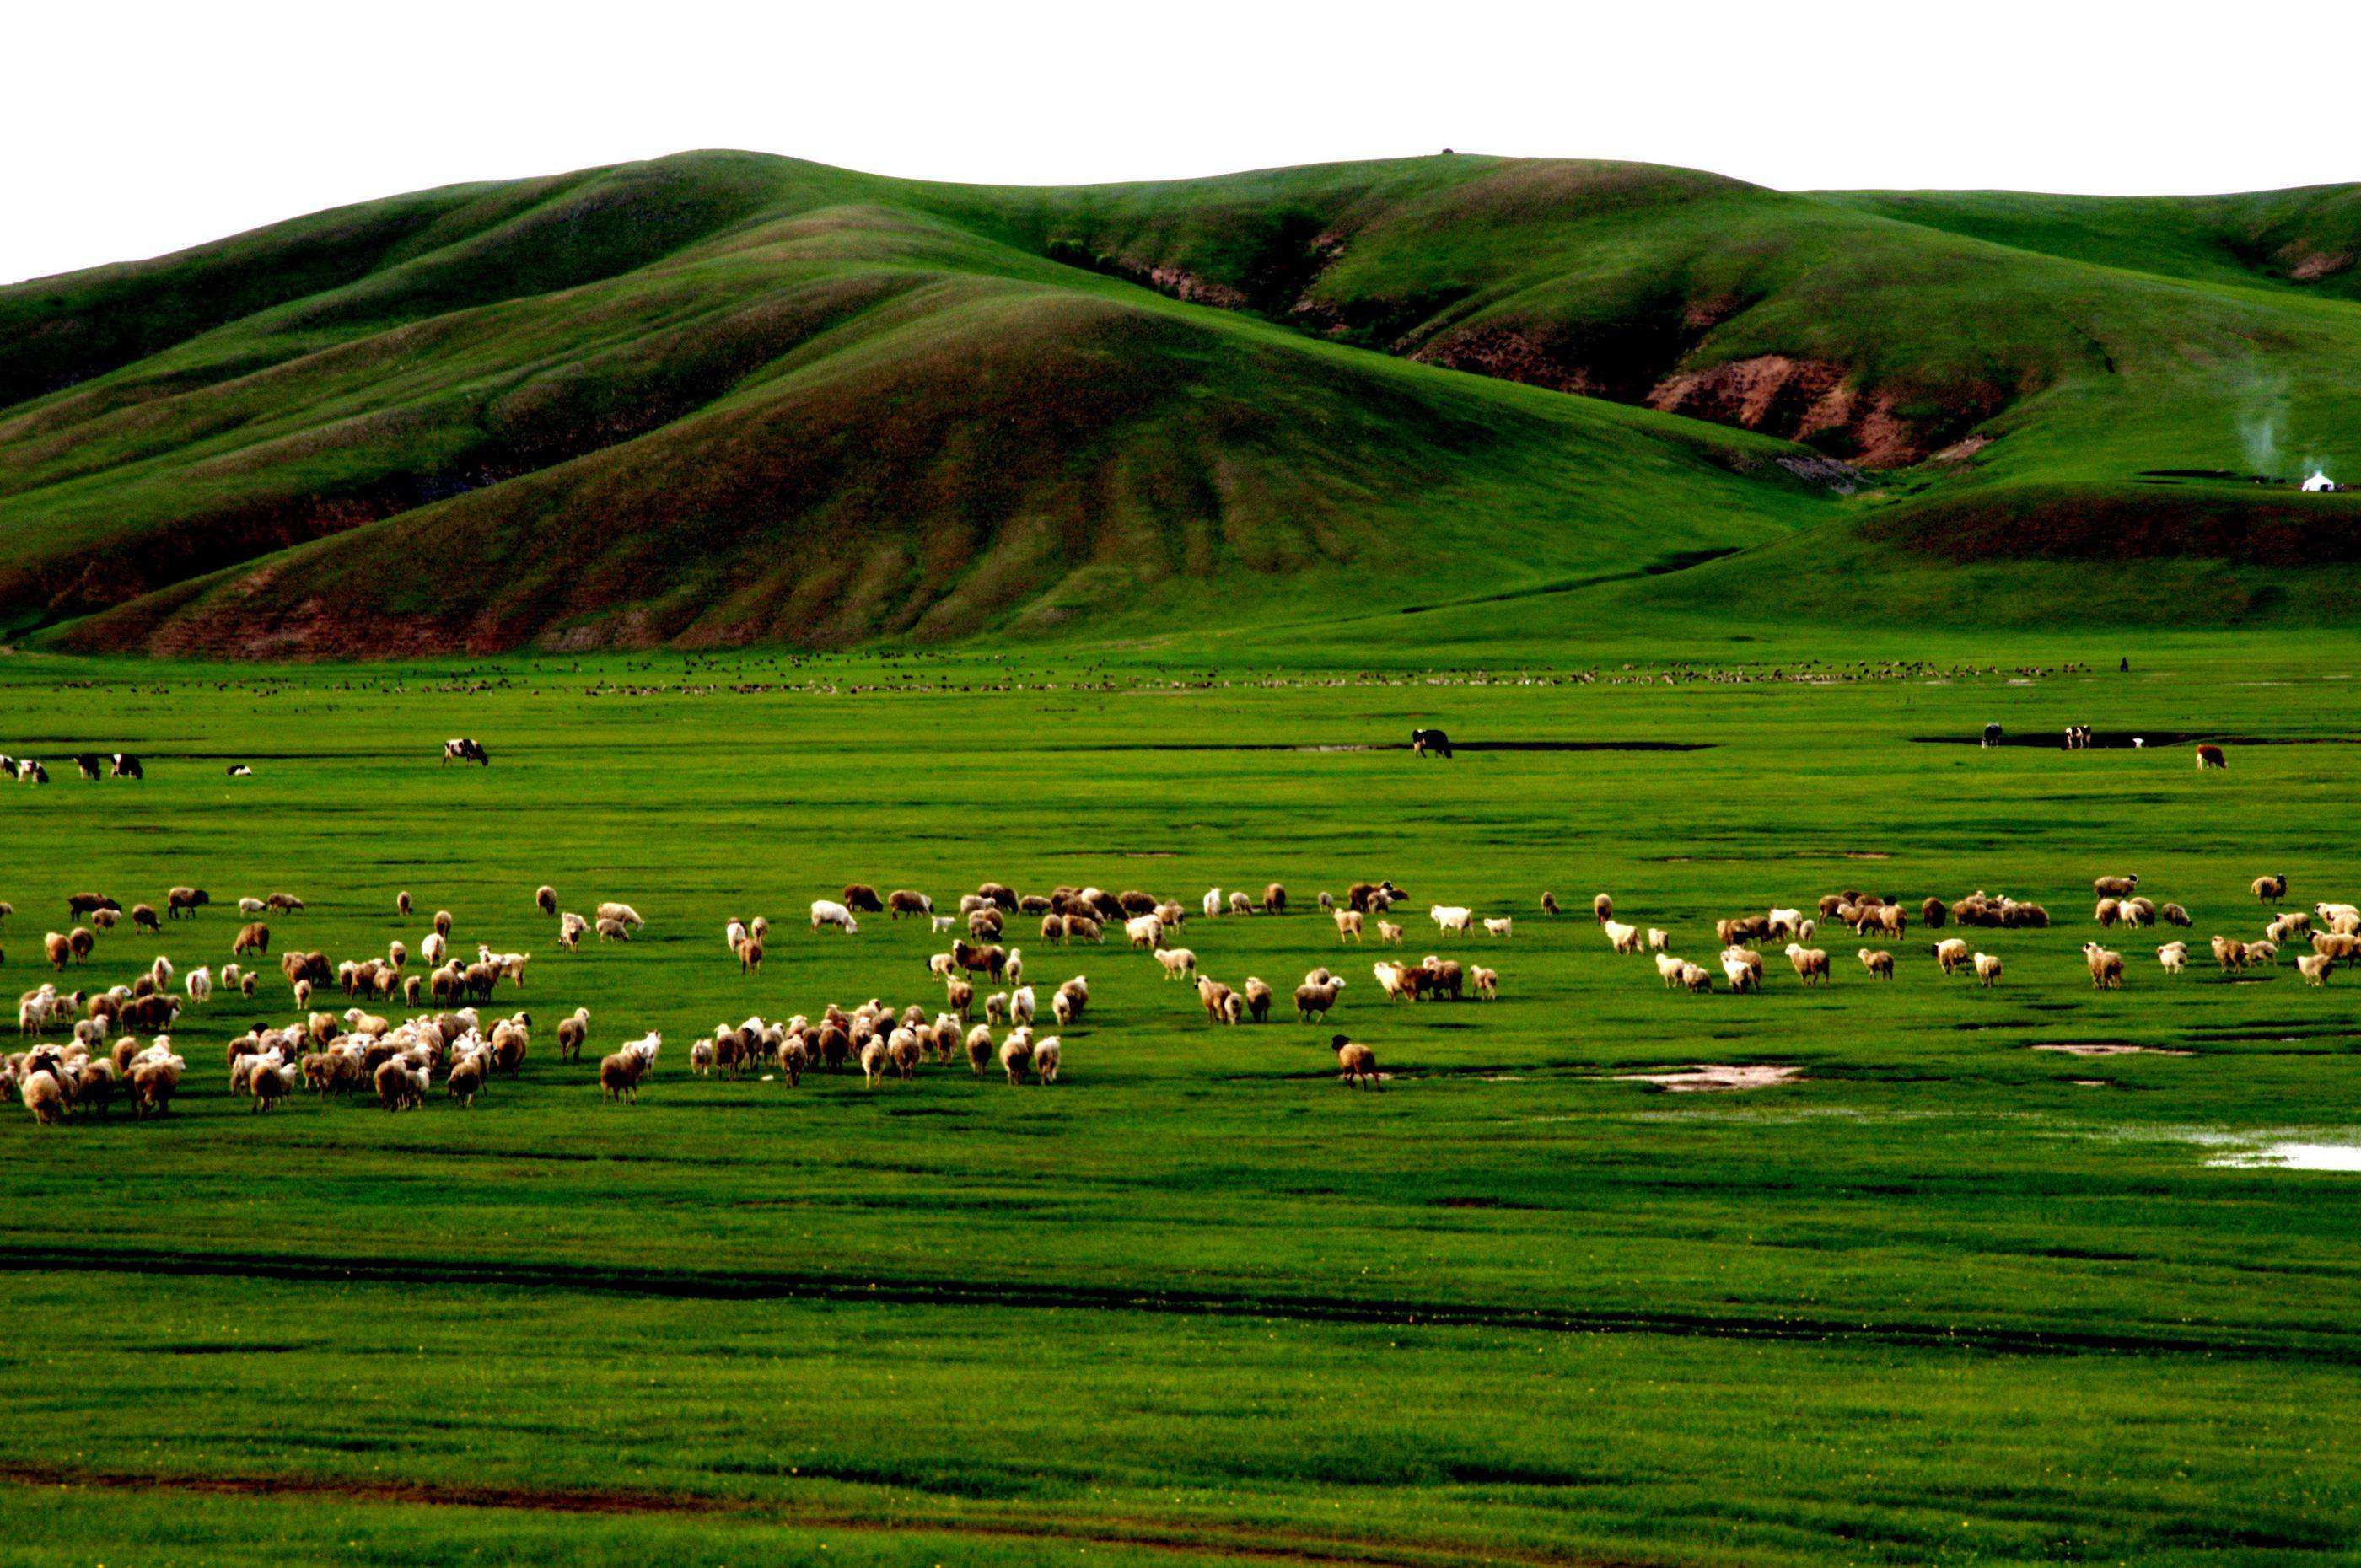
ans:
x=1190 y=1540
x=2323 y=1345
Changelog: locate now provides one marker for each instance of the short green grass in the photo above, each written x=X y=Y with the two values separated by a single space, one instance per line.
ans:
x=1945 y=1299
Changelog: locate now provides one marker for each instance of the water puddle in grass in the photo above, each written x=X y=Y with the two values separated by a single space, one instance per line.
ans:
x=1713 y=1078
x=2295 y=1157
x=2110 y=1048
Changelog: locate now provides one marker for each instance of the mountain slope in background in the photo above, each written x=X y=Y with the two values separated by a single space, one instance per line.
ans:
x=726 y=398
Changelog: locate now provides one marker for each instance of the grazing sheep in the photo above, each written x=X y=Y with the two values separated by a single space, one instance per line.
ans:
x=1218 y=1001
x=859 y=895
x=1258 y=995
x=2107 y=912
x=1356 y=1064
x=1950 y=955
x=1659 y=939
x=1180 y=963
x=1506 y=925
x=2106 y=966
x=573 y=1032
x=252 y=907
x=1487 y=982
x=2116 y=886
x=609 y=931
x=1274 y=899
x=979 y=1048
x=2265 y=955
x=1348 y=924
x=1239 y=905
x=1811 y=963
x=750 y=956
x=1313 y=1001
x=1621 y=937
x=1602 y=909
x=1389 y=933
x=995 y=1007
x=622 y=911
x=2295 y=923
x=1742 y=969
x=1453 y=917
x=1017 y=1055
x=1020 y=1004
x=619 y=1074
x=199 y=984
x=959 y=996
x=1878 y=962
x=45 y=1097
x=2173 y=915
x=826 y=913
x=402 y=902
x=1668 y=969
x=2229 y=953
x=1987 y=970
x=1932 y=913
x=1048 y=1052
x=908 y=901
x=2272 y=889
x=253 y=938
x=2314 y=967
x=441 y=924
x=2174 y=956
x=1549 y=901
x=544 y=898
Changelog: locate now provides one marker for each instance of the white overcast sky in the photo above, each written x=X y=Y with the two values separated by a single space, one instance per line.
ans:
x=130 y=129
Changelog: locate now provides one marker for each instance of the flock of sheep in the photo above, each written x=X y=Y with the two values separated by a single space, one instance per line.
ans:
x=2334 y=939
x=119 y=1041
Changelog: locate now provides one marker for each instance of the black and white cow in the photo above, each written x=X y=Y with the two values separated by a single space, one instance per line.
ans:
x=1992 y=736
x=86 y=764
x=126 y=766
x=461 y=749
x=1425 y=742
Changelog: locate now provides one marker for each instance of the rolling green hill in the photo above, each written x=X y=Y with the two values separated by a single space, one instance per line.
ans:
x=726 y=398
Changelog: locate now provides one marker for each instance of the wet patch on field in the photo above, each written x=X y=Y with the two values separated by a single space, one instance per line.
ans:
x=1713 y=1077
x=2109 y=1048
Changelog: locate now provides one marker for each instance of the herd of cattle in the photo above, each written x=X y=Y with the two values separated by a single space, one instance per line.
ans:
x=119 y=1042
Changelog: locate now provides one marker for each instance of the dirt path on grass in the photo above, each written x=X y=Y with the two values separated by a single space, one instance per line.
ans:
x=1174 y=1537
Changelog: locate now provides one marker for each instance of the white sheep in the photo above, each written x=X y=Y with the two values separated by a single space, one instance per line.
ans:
x=1045 y=1058
x=1145 y=930
x=827 y=912
x=1621 y=937
x=1506 y=925
x=1987 y=970
x=1659 y=939
x=1213 y=903
x=1453 y=917
x=1180 y=963
x=2174 y=956
x=1668 y=968
x=939 y=923
x=1020 y=1004
x=199 y=985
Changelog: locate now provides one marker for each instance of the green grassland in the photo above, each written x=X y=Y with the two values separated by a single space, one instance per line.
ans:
x=1945 y=1297
x=724 y=399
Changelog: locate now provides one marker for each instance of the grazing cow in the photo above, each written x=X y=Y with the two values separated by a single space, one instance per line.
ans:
x=1426 y=742
x=1992 y=736
x=2210 y=757
x=459 y=749
x=126 y=766
x=86 y=764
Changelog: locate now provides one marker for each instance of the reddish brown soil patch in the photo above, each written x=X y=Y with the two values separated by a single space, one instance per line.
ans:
x=1803 y=399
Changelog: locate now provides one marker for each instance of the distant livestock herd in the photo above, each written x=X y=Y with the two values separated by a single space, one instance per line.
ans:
x=120 y=1041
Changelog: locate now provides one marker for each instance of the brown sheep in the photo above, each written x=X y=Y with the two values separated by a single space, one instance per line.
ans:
x=1878 y=962
x=1602 y=909
x=395 y=1091
x=619 y=1075
x=1257 y=993
x=861 y=898
x=750 y=956
x=59 y=951
x=544 y=898
x=1274 y=899
x=251 y=938
x=82 y=939
x=402 y=902
x=613 y=931
x=2116 y=886
x=1002 y=896
x=2106 y=968
x=1313 y=1002
x=442 y=922
x=1356 y=1064
x=960 y=997
x=185 y=901
x=572 y=1032
x=1549 y=902
x=45 y=1097
x=904 y=901
x=1932 y=913
x=2272 y=889
x=143 y=918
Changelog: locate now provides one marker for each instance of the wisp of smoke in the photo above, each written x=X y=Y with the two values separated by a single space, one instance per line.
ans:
x=2263 y=410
